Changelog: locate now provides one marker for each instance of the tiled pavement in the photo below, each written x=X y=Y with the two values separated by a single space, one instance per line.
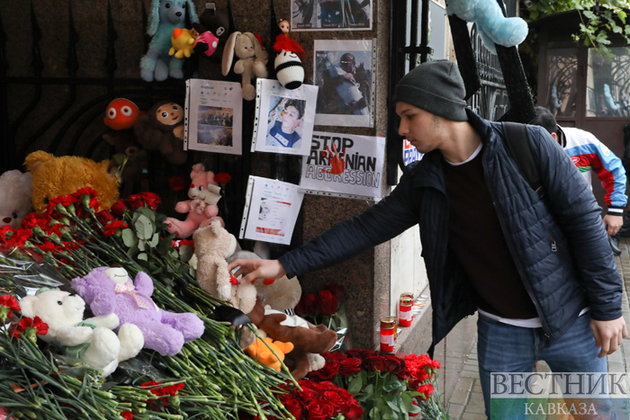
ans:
x=459 y=377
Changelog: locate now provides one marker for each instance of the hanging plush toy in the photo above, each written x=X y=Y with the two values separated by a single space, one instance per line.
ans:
x=205 y=41
x=216 y=22
x=131 y=161
x=166 y=15
x=162 y=129
x=493 y=27
x=252 y=60
x=182 y=43
x=288 y=63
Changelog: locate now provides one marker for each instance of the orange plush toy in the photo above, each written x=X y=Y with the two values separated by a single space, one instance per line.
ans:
x=307 y=340
x=261 y=352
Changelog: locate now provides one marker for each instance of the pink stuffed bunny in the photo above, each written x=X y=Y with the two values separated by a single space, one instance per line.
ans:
x=202 y=207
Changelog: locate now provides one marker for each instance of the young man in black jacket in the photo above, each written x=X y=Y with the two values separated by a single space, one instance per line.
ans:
x=541 y=275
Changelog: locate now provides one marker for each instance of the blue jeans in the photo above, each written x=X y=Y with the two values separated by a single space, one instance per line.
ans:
x=506 y=348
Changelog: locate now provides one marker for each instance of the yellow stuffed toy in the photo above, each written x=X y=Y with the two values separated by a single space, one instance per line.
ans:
x=261 y=353
x=55 y=176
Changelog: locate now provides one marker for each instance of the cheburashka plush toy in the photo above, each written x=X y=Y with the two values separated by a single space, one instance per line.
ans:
x=16 y=197
x=162 y=129
x=55 y=176
x=251 y=63
x=111 y=291
x=165 y=16
x=493 y=27
x=90 y=340
x=204 y=194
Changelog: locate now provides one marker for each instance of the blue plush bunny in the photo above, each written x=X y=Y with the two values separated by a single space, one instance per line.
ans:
x=493 y=27
x=166 y=15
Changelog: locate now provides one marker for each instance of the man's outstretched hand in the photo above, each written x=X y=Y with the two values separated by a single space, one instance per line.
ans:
x=256 y=268
x=609 y=334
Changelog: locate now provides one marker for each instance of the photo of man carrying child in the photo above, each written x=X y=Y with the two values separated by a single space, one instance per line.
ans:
x=284 y=123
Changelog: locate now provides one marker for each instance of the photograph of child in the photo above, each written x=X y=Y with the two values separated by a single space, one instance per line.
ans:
x=284 y=122
x=214 y=125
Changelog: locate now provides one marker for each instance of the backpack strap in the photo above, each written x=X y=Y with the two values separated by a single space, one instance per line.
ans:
x=518 y=145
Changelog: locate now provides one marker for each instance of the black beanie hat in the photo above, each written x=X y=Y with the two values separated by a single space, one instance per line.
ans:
x=436 y=87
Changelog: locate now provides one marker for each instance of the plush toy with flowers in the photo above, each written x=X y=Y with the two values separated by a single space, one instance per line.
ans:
x=61 y=176
x=15 y=197
x=204 y=194
x=89 y=340
x=111 y=291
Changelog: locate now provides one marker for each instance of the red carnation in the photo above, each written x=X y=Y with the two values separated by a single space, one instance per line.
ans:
x=362 y=354
x=222 y=178
x=134 y=202
x=334 y=398
x=28 y=327
x=111 y=228
x=376 y=363
x=336 y=290
x=319 y=409
x=8 y=304
x=426 y=389
x=328 y=302
x=127 y=415
x=119 y=208
x=177 y=183
x=150 y=199
x=350 y=366
x=352 y=412
x=328 y=372
x=104 y=217
x=293 y=405
x=307 y=305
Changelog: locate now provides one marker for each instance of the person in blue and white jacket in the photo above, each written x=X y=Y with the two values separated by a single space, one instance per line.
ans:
x=591 y=155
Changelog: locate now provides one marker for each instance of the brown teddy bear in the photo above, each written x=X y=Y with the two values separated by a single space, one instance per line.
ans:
x=55 y=176
x=307 y=340
x=162 y=129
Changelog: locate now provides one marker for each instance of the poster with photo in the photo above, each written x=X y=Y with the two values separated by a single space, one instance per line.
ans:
x=284 y=118
x=271 y=210
x=344 y=165
x=344 y=73
x=214 y=112
x=321 y=15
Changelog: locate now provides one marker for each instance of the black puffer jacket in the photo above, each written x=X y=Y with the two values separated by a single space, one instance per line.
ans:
x=559 y=246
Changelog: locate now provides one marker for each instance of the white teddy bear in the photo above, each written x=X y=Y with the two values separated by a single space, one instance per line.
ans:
x=91 y=340
x=16 y=197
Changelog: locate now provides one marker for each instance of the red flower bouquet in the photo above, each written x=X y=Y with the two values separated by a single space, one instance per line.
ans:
x=386 y=386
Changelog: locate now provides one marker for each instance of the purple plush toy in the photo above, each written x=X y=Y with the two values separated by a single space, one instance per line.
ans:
x=110 y=290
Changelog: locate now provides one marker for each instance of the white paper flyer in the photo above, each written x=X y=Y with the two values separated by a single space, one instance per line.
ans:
x=271 y=210
x=214 y=113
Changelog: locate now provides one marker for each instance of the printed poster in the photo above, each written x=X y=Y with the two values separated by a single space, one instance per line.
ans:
x=284 y=118
x=344 y=72
x=344 y=164
x=271 y=211
x=322 y=15
x=214 y=112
